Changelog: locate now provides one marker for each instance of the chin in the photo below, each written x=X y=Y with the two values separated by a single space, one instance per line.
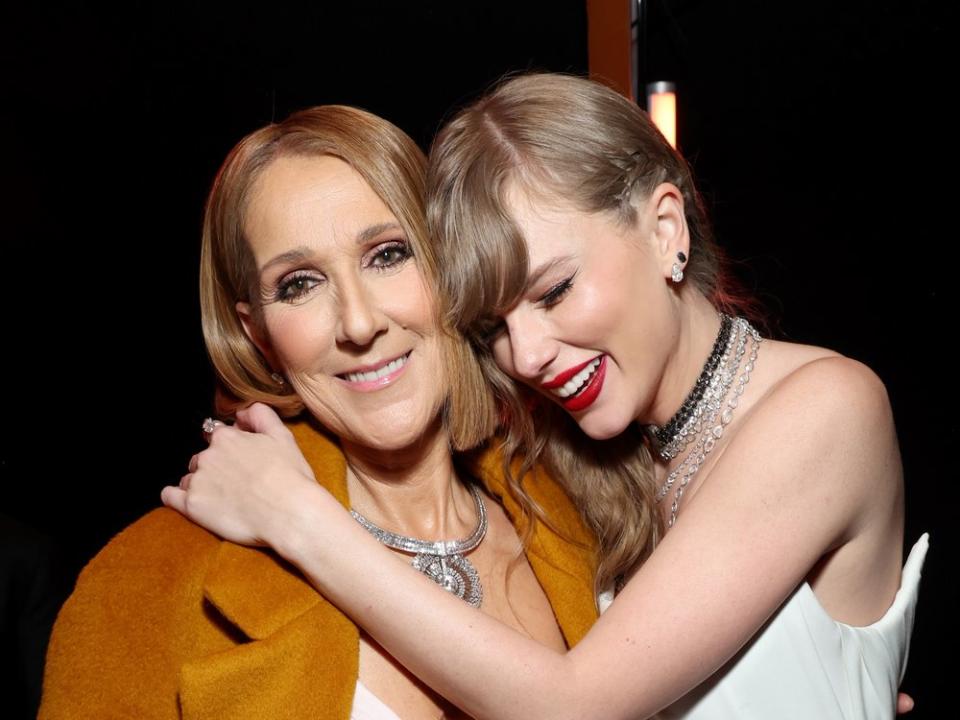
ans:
x=390 y=439
x=399 y=428
x=604 y=424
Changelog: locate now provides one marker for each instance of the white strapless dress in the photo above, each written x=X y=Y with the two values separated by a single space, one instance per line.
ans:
x=804 y=665
x=367 y=706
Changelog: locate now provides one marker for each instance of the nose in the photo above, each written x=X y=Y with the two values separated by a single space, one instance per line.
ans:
x=532 y=348
x=360 y=317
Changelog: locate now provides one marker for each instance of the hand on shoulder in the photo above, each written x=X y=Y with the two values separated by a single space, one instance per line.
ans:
x=249 y=482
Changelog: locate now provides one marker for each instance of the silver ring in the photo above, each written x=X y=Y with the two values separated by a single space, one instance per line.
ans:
x=209 y=425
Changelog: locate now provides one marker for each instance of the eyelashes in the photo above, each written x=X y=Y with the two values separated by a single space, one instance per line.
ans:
x=555 y=294
x=487 y=331
x=295 y=286
x=390 y=254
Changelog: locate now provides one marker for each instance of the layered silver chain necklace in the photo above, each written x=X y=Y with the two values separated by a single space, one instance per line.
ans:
x=708 y=409
x=442 y=561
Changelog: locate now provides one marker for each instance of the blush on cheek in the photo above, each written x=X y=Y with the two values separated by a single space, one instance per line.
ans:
x=593 y=318
x=300 y=339
x=407 y=300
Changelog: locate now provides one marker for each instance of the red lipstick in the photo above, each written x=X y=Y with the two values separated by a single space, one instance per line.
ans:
x=586 y=396
x=561 y=379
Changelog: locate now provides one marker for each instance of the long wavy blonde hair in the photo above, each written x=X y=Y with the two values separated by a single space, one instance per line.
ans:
x=578 y=140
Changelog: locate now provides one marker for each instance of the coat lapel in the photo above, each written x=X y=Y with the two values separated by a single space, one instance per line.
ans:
x=302 y=658
x=306 y=669
x=564 y=559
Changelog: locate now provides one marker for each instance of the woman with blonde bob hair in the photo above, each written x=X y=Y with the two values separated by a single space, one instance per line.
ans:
x=750 y=511
x=318 y=300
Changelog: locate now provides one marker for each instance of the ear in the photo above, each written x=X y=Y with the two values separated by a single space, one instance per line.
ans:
x=253 y=330
x=670 y=233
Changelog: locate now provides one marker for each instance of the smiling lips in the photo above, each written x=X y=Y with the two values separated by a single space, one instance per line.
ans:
x=579 y=386
x=374 y=377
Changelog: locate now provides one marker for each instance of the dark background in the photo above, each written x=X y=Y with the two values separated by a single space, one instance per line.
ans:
x=819 y=133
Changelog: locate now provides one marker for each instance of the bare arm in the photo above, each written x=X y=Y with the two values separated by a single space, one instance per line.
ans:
x=753 y=532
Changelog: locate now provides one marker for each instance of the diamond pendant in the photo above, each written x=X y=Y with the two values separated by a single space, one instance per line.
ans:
x=442 y=561
x=454 y=573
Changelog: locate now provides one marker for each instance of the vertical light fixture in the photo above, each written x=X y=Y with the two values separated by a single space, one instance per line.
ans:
x=661 y=97
x=662 y=106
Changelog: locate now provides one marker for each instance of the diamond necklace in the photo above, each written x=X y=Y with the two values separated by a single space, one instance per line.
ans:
x=442 y=561
x=674 y=435
x=708 y=418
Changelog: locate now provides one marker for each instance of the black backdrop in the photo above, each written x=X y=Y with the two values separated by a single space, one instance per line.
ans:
x=819 y=133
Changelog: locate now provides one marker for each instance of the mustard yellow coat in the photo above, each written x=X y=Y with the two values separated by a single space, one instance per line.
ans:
x=170 y=621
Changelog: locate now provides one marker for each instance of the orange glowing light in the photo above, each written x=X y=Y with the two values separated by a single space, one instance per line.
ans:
x=662 y=106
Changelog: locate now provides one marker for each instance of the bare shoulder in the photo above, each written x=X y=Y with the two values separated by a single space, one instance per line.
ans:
x=838 y=433
x=841 y=393
x=830 y=413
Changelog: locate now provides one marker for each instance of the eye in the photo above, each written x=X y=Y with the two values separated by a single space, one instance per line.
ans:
x=555 y=294
x=295 y=286
x=389 y=255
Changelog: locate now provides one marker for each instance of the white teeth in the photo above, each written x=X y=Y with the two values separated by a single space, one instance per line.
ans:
x=390 y=367
x=576 y=382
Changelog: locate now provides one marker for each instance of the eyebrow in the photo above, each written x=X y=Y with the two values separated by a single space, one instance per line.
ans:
x=301 y=253
x=291 y=256
x=534 y=277
x=371 y=232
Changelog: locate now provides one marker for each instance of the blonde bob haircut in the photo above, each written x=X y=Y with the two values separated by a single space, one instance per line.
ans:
x=557 y=136
x=394 y=168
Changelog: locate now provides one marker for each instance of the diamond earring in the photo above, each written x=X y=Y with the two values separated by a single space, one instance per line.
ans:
x=676 y=272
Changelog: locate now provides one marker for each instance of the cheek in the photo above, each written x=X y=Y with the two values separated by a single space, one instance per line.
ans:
x=300 y=336
x=614 y=306
x=405 y=299
x=589 y=318
x=615 y=285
